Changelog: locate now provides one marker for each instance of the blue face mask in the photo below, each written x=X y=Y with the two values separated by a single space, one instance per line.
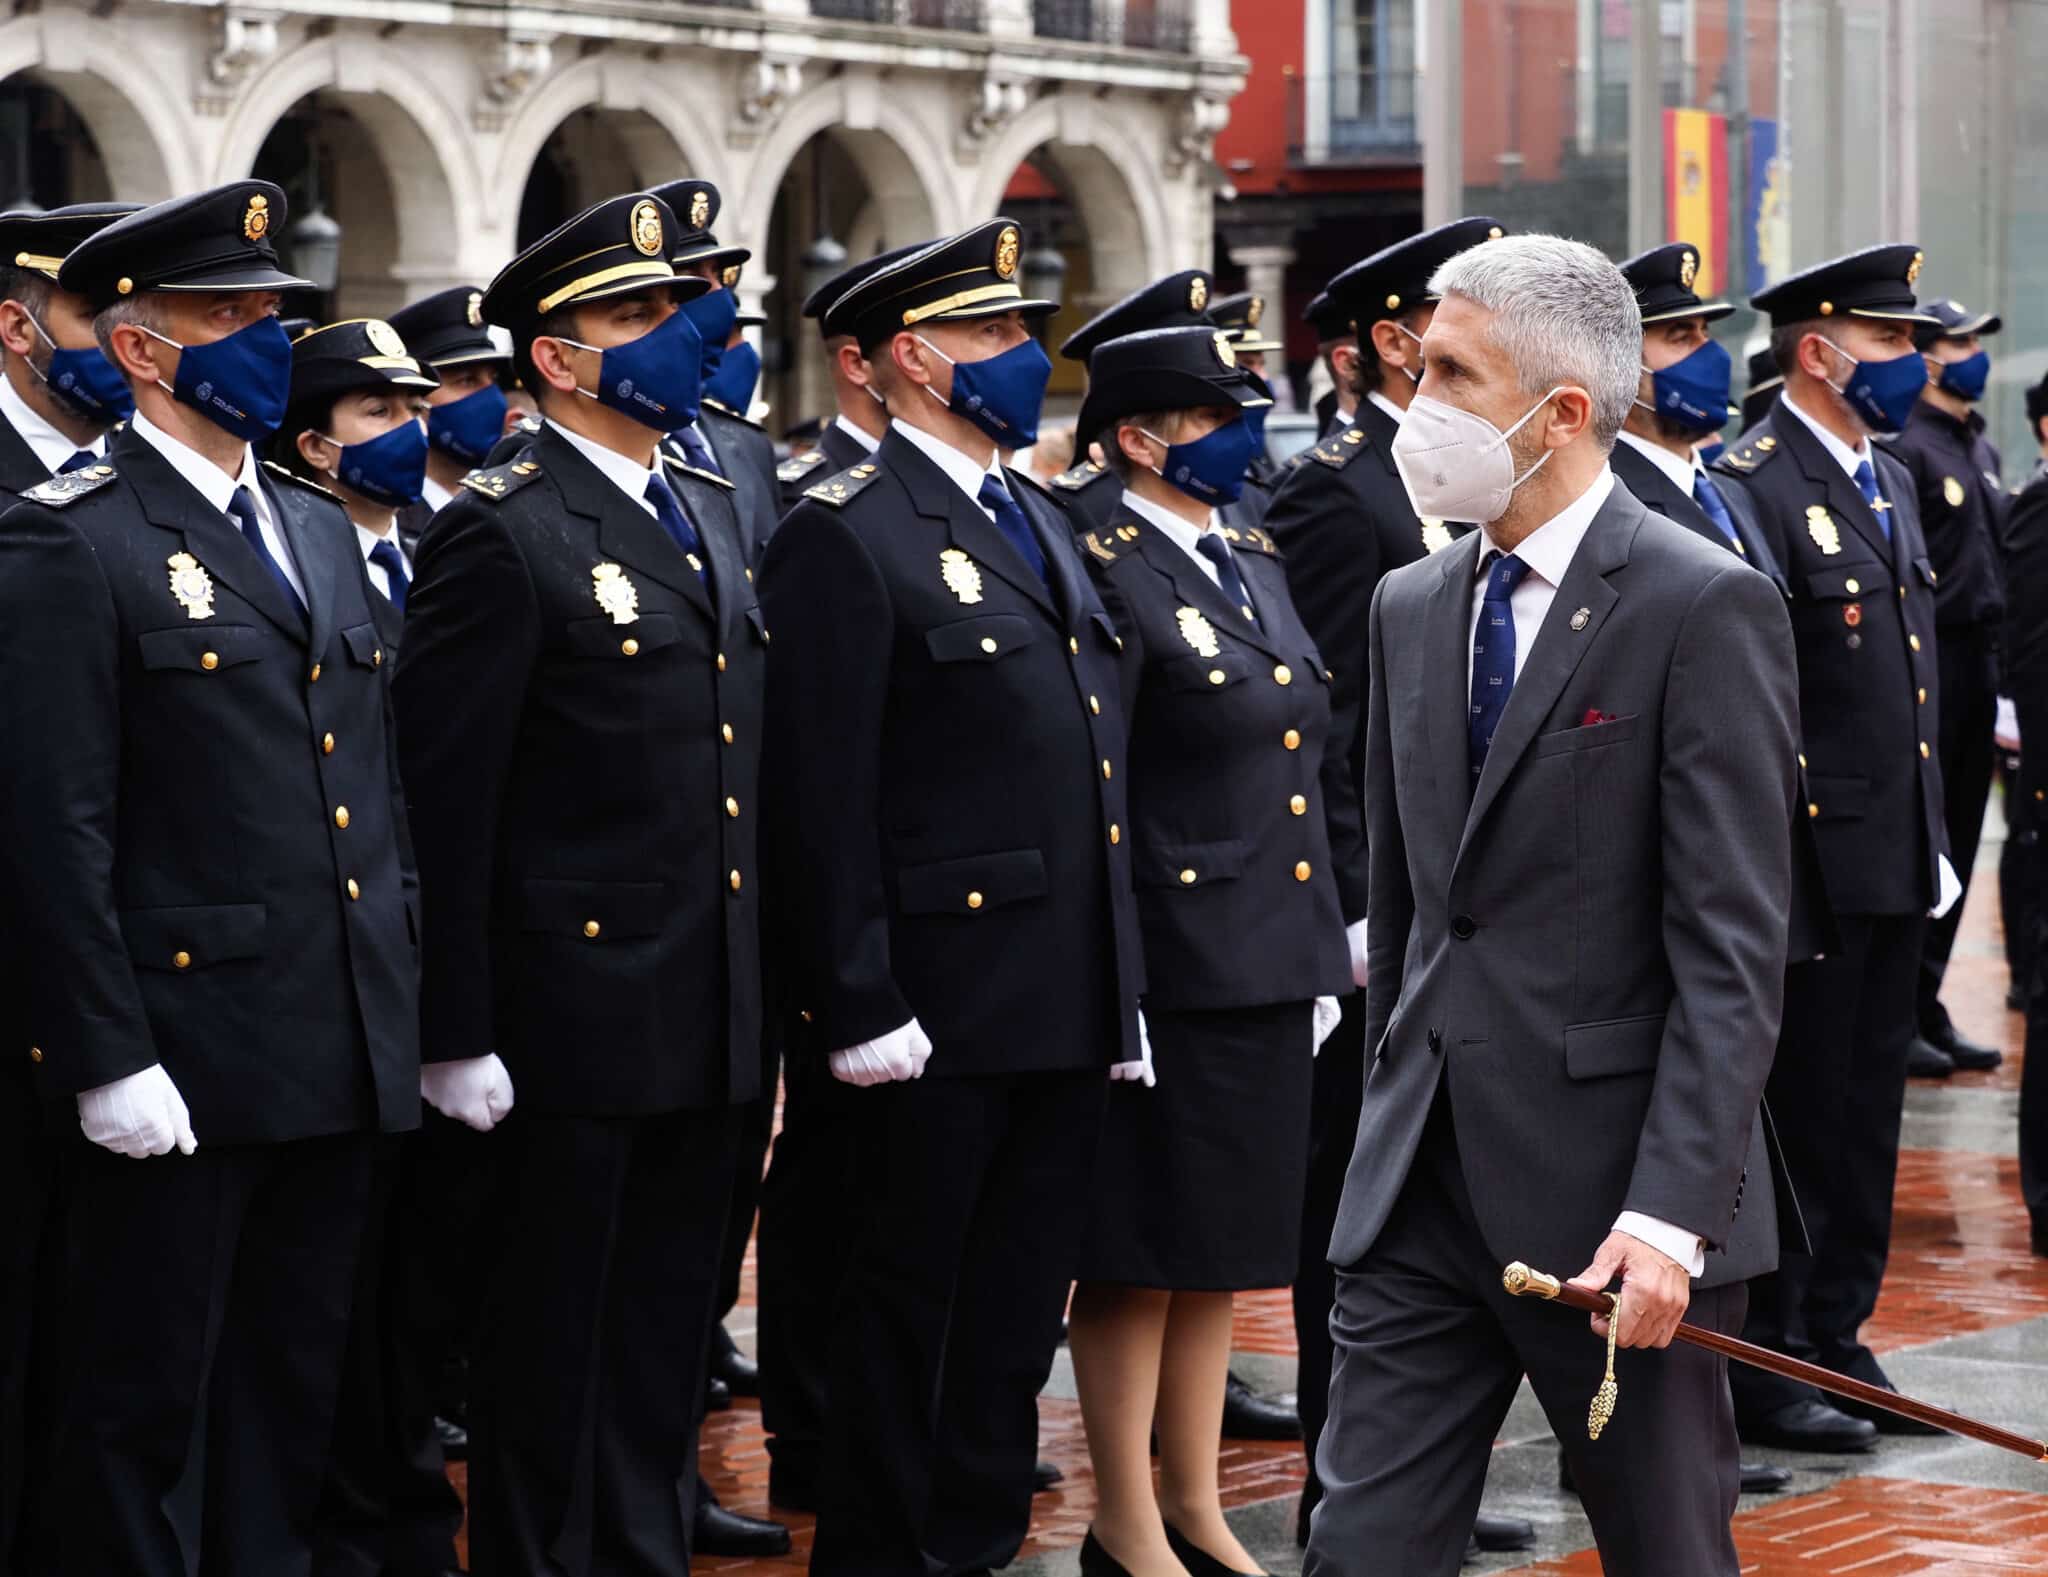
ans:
x=466 y=429
x=1709 y=453
x=1966 y=379
x=1692 y=394
x=1002 y=395
x=1210 y=469
x=240 y=383
x=1883 y=393
x=85 y=381
x=389 y=469
x=1255 y=415
x=732 y=386
x=714 y=315
x=654 y=379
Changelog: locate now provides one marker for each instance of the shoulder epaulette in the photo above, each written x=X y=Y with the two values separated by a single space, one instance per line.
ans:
x=1340 y=449
x=799 y=466
x=1077 y=477
x=67 y=487
x=703 y=476
x=1259 y=539
x=1103 y=545
x=527 y=427
x=727 y=410
x=836 y=490
x=1745 y=461
x=286 y=474
x=501 y=481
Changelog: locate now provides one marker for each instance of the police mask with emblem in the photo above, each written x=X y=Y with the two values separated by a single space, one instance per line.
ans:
x=951 y=319
x=1169 y=406
x=50 y=329
x=188 y=290
x=695 y=251
x=355 y=419
x=446 y=332
x=1847 y=326
x=593 y=311
x=1958 y=365
x=1687 y=374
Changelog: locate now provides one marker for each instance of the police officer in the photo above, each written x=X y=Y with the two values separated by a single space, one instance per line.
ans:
x=1761 y=392
x=209 y=827
x=1956 y=475
x=1337 y=351
x=858 y=421
x=1239 y=316
x=1841 y=517
x=2021 y=869
x=466 y=409
x=946 y=770
x=584 y=660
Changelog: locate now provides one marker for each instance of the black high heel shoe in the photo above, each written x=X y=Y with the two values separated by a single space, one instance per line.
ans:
x=1098 y=1562
x=1198 y=1561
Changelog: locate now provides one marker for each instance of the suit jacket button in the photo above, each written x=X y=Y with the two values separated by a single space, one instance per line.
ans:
x=1463 y=928
x=209 y=661
x=1302 y=871
x=314 y=676
x=1291 y=739
x=733 y=881
x=35 y=1054
x=181 y=959
x=629 y=647
x=1187 y=878
x=975 y=900
x=591 y=928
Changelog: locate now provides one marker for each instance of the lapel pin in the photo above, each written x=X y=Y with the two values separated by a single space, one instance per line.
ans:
x=1582 y=618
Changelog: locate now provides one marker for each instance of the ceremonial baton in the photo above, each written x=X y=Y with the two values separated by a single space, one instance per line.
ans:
x=1523 y=1282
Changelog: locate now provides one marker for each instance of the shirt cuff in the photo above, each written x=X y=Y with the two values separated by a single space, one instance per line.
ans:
x=1688 y=1248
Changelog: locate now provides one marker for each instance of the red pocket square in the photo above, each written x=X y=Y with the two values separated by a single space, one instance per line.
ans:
x=1595 y=715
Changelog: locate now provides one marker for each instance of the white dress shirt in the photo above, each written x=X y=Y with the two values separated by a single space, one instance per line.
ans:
x=1679 y=469
x=1844 y=456
x=366 y=540
x=48 y=445
x=1548 y=551
x=1387 y=405
x=214 y=485
x=867 y=441
x=629 y=476
x=435 y=496
x=965 y=474
x=1178 y=531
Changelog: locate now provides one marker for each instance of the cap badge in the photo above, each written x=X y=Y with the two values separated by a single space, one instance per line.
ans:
x=1254 y=309
x=1952 y=490
x=1688 y=270
x=1224 y=353
x=192 y=586
x=384 y=338
x=1007 y=245
x=731 y=276
x=617 y=595
x=646 y=229
x=256 y=222
x=1913 y=268
x=700 y=209
x=1198 y=293
x=1820 y=525
x=1197 y=631
x=961 y=575
x=473 y=309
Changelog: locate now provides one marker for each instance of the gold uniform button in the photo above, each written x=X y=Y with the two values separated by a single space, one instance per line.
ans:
x=591 y=928
x=1105 y=770
x=1299 y=805
x=1812 y=809
x=209 y=661
x=1283 y=675
x=1302 y=872
x=181 y=959
x=1802 y=763
x=1094 y=706
x=630 y=647
x=988 y=644
x=733 y=881
x=314 y=676
x=1913 y=641
x=974 y=900
x=1119 y=641
x=326 y=744
x=721 y=662
x=35 y=1054
x=353 y=890
x=1924 y=752
x=377 y=658
x=1291 y=739
x=341 y=815
x=1923 y=695
x=1187 y=878
x=1852 y=586
x=1217 y=676
x=1116 y=833
x=732 y=806
x=805 y=1015
x=725 y=732
x=1073 y=646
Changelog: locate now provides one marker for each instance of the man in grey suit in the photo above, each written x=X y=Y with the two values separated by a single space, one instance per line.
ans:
x=1580 y=767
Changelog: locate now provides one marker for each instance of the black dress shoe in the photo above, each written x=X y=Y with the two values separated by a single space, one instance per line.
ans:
x=454 y=1439
x=1045 y=1476
x=717 y=1395
x=1198 y=1561
x=1250 y=1416
x=2015 y=1000
x=1503 y=1533
x=1760 y=1478
x=1098 y=1562
x=742 y=1376
x=1925 y=1060
x=723 y=1532
x=1969 y=1056
x=1811 y=1425
x=1886 y=1423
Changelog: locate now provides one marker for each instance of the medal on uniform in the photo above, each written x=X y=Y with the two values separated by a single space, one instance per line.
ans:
x=1852 y=614
x=1820 y=525
x=1197 y=631
x=1436 y=536
x=1952 y=490
x=192 y=586
x=617 y=595
x=961 y=575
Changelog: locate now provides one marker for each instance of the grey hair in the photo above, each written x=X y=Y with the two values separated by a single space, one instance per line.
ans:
x=143 y=310
x=1563 y=314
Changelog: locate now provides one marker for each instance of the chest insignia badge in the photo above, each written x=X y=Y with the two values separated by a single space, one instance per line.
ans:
x=961 y=575
x=1952 y=490
x=1820 y=525
x=1198 y=632
x=617 y=595
x=192 y=586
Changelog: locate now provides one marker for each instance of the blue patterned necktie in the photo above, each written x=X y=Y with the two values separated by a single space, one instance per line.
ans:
x=79 y=460
x=669 y=511
x=385 y=556
x=698 y=450
x=243 y=508
x=1213 y=548
x=1709 y=498
x=1010 y=521
x=1866 y=484
x=1493 y=657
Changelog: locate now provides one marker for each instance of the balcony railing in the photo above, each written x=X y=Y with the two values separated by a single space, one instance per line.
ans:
x=1362 y=117
x=1138 y=24
x=959 y=15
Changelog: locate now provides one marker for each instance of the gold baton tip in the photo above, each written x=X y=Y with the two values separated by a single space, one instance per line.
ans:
x=1522 y=1282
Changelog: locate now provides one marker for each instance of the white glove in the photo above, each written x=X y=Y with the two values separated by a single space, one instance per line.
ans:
x=1950 y=888
x=1139 y=1072
x=888 y=1059
x=1354 y=938
x=1326 y=1016
x=475 y=1091
x=2005 y=733
x=140 y=1115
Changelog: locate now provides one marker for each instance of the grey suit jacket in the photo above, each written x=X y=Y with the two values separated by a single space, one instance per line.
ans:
x=1593 y=952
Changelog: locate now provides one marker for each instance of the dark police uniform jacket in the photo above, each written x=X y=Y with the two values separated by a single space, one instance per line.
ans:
x=746 y=454
x=579 y=724
x=947 y=775
x=836 y=451
x=1963 y=506
x=1639 y=474
x=20 y=470
x=1228 y=724
x=203 y=799
x=1863 y=622
x=2026 y=639
x=1090 y=493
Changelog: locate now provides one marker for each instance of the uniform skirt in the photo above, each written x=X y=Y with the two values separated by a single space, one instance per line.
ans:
x=1199 y=1179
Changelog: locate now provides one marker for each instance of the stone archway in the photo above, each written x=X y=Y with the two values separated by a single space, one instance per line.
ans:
x=141 y=149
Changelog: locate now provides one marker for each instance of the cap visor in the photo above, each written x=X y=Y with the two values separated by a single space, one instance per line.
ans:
x=255 y=277
x=713 y=254
x=1256 y=344
x=1028 y=305
x=465 y=358
x=1711 y=311
x=683 y=287
x=1900 y=315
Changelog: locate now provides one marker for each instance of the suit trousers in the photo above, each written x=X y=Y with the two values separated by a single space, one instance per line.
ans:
x=1430 y=1350
x=28 y=1166
x=972 y=1195
x=1969 y=711
x=2034 y=1118
x=1838 y=1091
x=1333 y=1130
x=206 y=1309
x=2018 y=882
x=589 y=1365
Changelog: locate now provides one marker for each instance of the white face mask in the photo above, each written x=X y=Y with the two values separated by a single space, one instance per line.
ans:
x=1456 y=464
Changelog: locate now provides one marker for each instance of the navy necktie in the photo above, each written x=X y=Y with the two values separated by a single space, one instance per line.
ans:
x=1493 y=657
x=1709 y=498
x=1866 y=484
x=669 y=511
x=1213 y=548
x=1011 y=522
x=385 y=556
x=698 y=450
x=79 y=460
x=243 y=508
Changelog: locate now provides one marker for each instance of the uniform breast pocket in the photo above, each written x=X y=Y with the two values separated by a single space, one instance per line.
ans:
x=1207 y=673
x=1189 y=866
x=1847 y=582
x=194 y=936
x=988 y=639
x=200 y=650
x=602 y=639
x=365 y=647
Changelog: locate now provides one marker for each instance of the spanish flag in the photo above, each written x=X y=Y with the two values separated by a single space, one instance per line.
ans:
x=1696 y=191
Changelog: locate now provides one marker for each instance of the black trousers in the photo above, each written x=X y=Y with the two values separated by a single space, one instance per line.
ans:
x=1429 y=1352
x=1837 y=1092
x=206 y=1311
x=971 y=1196
x=1969 y=711
x=589 y=1361
x=27 y=1183
x=2018 y=881
x=1333 y=1130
